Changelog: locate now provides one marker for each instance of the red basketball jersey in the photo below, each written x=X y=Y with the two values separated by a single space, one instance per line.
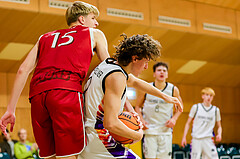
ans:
x=64 y=57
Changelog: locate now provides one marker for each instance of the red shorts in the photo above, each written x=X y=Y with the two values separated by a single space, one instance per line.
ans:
x=58 y=123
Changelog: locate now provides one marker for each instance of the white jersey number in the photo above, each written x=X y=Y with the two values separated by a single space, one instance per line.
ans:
x=56 y=37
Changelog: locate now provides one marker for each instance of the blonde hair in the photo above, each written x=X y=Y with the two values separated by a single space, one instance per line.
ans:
x=208 y=90
x=78 y=9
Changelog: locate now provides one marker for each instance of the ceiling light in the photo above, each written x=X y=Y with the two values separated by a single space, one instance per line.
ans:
x=191 y=66
x=15 y=51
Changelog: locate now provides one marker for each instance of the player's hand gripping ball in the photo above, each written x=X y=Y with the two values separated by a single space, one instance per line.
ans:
x=130 y=121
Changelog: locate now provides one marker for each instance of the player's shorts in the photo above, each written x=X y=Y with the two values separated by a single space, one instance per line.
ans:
x=58 y=123
x=101 y=145
x=157 y=146
x=204 y=146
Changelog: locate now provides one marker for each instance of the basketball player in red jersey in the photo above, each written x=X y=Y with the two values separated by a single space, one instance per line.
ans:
x=61 y=60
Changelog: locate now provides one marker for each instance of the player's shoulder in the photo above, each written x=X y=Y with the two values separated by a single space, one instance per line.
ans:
x=97 y=32
x=195 y=105
x=216 y=107
x=171 y=86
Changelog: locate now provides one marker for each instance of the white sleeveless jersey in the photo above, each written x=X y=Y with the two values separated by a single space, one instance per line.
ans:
x=95 y=89
x=156 y=112
x=101 y=144
x=204 y=121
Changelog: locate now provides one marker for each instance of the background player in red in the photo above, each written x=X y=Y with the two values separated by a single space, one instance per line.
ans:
x=61 y=60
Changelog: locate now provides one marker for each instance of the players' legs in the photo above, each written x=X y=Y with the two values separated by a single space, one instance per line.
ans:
x=66 y=111
x=196 y=148
x=164 y=147
x=42 y=127
x=150 y=146
x=209 y=149
x=57 y=119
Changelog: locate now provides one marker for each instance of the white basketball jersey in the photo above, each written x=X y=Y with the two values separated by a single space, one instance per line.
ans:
x=101 y=144
x=204 y=121
x=156 y=112
x=95 y=89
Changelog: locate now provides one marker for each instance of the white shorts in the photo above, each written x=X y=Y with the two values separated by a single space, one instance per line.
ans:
x=157 y=146
x=104 y=148
x=204 y=147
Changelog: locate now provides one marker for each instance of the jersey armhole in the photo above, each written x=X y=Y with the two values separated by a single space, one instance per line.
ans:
x=216 y=114
x=92 y=39
x=173 y=91
x=104 y=78
x=196 y=111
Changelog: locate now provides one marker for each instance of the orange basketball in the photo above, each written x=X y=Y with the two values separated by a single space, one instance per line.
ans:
x=130 y=121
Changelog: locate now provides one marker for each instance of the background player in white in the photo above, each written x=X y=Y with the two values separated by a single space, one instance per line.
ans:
x=106 y=94
x=205 y=115
x=158 y=119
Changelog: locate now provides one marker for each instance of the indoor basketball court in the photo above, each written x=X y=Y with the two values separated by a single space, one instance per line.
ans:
x=200 y=42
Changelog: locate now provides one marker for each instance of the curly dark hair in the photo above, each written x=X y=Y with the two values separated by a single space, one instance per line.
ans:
x=142 y=46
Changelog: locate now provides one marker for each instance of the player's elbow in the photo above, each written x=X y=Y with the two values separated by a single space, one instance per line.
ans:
x=24 y=69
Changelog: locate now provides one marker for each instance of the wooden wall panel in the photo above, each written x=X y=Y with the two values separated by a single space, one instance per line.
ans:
x=215 y=15
x=31 y=6
x=44 y=6
x=176 y=9
x=23 y=101
x=234 y=4
x=238 y=23
x=13 y=22
x=3 y=89
x=133 y=5
x=23 y=120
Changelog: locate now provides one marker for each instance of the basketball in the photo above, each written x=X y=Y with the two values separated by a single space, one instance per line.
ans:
x=130 y=121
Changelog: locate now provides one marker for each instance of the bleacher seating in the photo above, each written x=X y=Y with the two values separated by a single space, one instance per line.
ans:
x=228 y=151
x=225 y=151
x=222 y=149
x=225 y=157
x=187 y=150
x=236 y=157
x=180 y=153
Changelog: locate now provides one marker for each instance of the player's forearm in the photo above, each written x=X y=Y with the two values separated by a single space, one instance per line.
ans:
x=219 y=131
x=19 y=84
x=176 y=115
x=118 y=128
x=185 y=131
x=146 y=87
